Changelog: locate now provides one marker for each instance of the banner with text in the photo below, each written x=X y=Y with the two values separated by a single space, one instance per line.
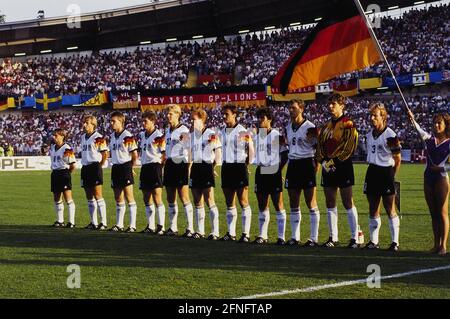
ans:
x=241 y=99
x=25 y=163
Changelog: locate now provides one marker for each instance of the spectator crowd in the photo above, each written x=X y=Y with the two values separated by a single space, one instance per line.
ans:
x=416 y=43
x=31 y=134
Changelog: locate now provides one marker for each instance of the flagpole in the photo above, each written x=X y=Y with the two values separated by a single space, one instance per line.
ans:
x=381 y=52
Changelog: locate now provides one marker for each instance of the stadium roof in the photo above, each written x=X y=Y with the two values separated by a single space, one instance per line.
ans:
x=157 y=22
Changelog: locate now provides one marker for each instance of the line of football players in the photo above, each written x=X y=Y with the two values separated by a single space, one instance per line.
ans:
x=179 y=160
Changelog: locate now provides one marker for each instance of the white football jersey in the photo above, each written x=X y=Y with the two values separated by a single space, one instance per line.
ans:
x=152 y=147
x=379 y=150
x=177 y=144
x=121 y=146
x=92 y=147
x=203 y=146
x=235 y=142
x=300 y=146
x=62 y=157
x=268 y=147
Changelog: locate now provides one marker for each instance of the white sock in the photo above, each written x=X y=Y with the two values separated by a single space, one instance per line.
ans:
x=296 y=218
x=374 y=229
x=59 y=209
x=161 y=212
x=314 y=215
x=71 y=206
x=92 y=208
x=120 y=214
x=150 y=214
x=281 y=221
x=189 y=211
x=173 y=217
x=394 y=226
x=133 y=213
x=352 y=216
x=332 y=214
x=231 y=220
x=200 y=219
x=101 y=204
x=264 y=218
x=214 y=216
x=246 y=220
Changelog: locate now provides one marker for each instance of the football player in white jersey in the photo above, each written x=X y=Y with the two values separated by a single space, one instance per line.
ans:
x=384 y=158
x=94 y=154
x=271 y=156
x=153 y=148
x=237 y=153
x=205 y=153
x=123 y=148
x=176 y=171
x=301 y=172
x=62 y=165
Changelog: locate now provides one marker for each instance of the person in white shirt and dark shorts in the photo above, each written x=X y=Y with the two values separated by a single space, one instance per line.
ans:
x=94 y=154
x=176 y=171
x=384 y=158
x=152 y=150
x=301 y=172
x=62 y=164
x=123 y=148
x=237 y=153
x=205 y=152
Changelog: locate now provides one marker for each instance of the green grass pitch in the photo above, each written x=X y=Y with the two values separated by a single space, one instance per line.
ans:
x=34 y=256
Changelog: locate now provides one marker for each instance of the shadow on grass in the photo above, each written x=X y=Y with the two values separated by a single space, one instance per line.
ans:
x=46 y=246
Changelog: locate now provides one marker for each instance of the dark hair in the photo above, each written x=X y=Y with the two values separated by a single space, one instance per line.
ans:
x=62 y=132
x=299 y=102
x=337 y=97
x=264 y=111
x=230 y=107
x=443 y=117
x=149 y=115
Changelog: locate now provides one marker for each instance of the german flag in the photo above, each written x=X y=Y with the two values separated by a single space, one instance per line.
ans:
x=340 y=43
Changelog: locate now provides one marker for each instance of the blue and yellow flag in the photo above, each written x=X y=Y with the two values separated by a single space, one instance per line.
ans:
x=95 y=99
x=45 y=102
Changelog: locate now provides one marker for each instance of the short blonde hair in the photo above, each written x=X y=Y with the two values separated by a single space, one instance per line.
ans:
x=174 y=108
x=119 y=115
x=379 y=106
x=201 y=114
x=91 y=119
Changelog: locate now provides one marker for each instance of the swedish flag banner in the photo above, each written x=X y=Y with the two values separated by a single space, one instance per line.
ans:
x=45 y=102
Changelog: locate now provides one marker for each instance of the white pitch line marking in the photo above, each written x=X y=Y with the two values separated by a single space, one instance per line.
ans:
x=344 y=283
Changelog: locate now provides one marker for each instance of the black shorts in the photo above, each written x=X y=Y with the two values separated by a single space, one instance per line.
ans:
x=343 y=176
x=202 y=176
x=122 y=175
x=176 y=175
x=301 y=174
x=268 y=183
x=91 y=175
x=379 y=181
x=151 y=176
x=61 y=181
x=234 y=175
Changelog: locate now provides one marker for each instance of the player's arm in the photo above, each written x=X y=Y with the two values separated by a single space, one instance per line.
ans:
x=105 y=156
x=284 y=151
x=250 y=150
x=394 y=145
x=349 y=143
x=134 y=157
x=72 y=167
